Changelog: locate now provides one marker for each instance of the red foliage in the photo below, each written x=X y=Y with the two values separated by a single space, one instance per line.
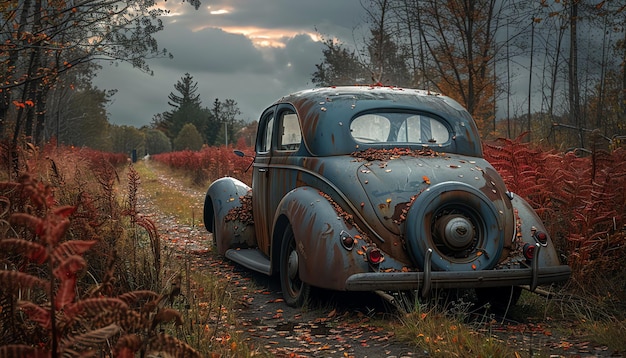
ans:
x=581 y=200
x=211 y=162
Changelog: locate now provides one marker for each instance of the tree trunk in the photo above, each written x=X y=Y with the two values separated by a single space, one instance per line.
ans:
x=574 y=94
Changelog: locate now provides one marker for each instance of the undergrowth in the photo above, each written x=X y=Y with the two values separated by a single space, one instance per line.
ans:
x=82 y=271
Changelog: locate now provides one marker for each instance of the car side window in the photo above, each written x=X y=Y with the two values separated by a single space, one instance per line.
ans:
x=264 y=144
x=290 y=136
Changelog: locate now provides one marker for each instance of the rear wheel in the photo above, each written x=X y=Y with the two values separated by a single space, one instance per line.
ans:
x=294 y=290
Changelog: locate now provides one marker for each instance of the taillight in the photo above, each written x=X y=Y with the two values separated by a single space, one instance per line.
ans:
x=374 y=256
x=529 y=251
x=539 y=236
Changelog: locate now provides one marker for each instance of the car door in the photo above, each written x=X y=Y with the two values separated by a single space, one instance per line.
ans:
x=260 y=180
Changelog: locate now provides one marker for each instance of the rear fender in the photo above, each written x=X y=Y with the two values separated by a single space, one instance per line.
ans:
x=223 y=206
x=323 y=260
x=528 y=223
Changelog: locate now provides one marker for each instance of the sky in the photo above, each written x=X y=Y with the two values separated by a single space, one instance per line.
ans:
x=251 y=51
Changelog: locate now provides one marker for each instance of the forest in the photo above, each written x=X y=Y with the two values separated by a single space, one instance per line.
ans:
x=544 y=80
x=553 y=69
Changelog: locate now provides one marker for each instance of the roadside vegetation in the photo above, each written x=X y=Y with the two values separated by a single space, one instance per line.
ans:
x=85 y=272
x=114 y=286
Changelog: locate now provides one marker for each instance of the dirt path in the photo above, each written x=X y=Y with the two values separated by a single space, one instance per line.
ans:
x=335 y=324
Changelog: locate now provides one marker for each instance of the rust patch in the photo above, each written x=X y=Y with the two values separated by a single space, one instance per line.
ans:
x=347 y=218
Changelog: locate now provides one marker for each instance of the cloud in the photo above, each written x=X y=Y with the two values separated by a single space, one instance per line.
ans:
x=226 y=61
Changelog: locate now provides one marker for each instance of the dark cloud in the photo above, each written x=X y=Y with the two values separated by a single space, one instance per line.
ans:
x=228 y=65
x=210 y=50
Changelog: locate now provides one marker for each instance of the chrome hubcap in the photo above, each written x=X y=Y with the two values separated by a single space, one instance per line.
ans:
x=292 y=265
x=456 y=231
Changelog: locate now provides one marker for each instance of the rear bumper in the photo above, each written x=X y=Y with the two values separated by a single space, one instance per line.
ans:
x=399 y=281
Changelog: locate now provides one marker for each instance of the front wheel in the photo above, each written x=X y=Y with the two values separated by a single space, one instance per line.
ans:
x=209 y=219
x=294 y=290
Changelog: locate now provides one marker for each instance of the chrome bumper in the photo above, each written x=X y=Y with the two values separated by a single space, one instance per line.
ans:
x=427 y=280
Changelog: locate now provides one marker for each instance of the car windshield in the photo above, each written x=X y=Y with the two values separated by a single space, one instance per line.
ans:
x=398 y=127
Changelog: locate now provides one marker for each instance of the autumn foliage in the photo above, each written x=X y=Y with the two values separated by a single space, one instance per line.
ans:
x=63 y=287
x=581 y=200
x=210 y=163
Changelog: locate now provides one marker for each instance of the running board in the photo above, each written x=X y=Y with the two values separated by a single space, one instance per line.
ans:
x=251 y=258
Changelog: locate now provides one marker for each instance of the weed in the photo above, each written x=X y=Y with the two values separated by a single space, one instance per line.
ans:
x=440 y=331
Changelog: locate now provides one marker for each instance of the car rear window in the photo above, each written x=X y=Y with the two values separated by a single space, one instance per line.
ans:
x=398 y=128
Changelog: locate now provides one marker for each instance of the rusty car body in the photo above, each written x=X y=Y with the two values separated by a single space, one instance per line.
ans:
x=370 y=188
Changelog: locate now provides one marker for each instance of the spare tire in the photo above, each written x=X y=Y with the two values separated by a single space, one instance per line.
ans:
x=460 y=224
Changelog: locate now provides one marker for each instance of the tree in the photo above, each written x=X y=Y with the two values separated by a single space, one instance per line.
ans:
x=86 y=124
x=127 y=139
x=187 y=108
x=339 y=67
x=188 y=139
x=460 y=36
x=388 y=61
x=42 y=41
x=157 y=142
x=226 y=123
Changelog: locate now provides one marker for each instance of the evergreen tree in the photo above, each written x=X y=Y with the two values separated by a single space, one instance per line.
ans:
x=127 y=139
x=187 y=108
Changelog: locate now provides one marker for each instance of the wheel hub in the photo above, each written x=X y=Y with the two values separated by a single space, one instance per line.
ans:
x=455 y=231
x=292 y=265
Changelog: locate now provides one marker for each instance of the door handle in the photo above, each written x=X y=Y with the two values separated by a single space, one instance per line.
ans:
x=263 y=170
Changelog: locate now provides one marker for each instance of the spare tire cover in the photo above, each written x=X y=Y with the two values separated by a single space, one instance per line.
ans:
x=460 y=224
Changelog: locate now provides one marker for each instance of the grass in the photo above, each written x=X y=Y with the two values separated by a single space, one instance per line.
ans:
x=185 y=208
x=205 y=302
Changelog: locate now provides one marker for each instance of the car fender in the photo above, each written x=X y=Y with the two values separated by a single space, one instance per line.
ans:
x=223 y=197
x=323 y=260
x=529 y=222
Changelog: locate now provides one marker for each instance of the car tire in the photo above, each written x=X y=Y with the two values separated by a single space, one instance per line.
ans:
x=207 y=214
x=214 y=233
x=295 y=291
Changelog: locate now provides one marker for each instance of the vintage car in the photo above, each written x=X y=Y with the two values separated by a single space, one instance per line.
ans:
x=371 y=188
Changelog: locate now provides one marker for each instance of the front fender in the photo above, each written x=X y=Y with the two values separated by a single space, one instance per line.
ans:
x=223 y=207
x=317 y=226
x=527 y=220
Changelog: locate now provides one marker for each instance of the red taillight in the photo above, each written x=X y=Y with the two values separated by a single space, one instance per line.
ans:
x=529 y=251
x=374 y=256
x=539 y=236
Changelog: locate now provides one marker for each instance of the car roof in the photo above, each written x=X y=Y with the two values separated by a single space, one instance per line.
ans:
x=324 y=111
